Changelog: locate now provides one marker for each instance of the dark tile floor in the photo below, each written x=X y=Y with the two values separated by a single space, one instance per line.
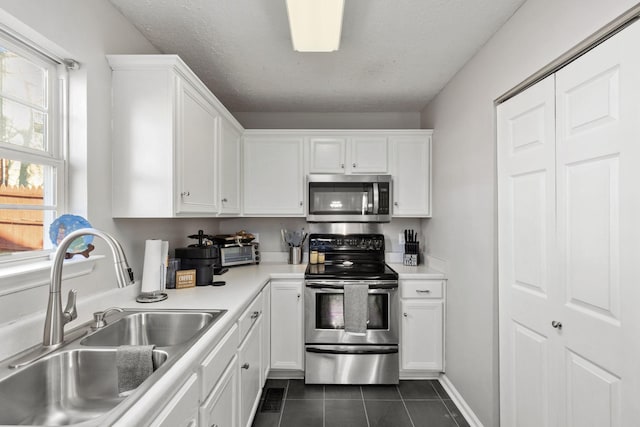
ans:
x=416 y=403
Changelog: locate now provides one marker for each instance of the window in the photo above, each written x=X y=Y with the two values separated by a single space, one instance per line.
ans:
x=32 y=166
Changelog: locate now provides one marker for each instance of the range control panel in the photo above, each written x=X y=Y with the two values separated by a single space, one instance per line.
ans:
x=346 y=242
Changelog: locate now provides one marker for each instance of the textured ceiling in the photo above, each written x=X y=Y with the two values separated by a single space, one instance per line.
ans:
x=395 y=55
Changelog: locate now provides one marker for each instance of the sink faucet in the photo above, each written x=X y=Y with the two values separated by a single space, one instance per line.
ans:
x=56 y=318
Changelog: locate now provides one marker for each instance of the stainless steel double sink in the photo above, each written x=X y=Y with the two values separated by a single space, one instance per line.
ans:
x=78 y=382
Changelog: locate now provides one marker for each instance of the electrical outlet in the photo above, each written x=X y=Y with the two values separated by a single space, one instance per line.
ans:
x=401 y=238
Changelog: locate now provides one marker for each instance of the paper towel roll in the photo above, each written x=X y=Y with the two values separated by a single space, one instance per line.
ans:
x=153 y=266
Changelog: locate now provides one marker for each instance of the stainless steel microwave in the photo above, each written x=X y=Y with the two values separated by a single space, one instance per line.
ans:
x=349 y=198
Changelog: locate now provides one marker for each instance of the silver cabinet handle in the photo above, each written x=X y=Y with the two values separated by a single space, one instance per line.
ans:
x=405 y=314
x=354 y=165
x=185 y=194
x=342 y=165
x=423 y=291
x=556 y=324
x=224 y=200
x=395 y=203
x=298 y=296
x=245 y=366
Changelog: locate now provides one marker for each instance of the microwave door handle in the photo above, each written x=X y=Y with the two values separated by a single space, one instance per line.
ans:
x=376 y=198
x=364 y=202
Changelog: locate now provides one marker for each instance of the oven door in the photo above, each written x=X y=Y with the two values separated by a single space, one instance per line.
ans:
x=324 y=313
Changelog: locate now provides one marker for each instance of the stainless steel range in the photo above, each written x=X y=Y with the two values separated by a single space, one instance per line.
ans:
x=351 y=312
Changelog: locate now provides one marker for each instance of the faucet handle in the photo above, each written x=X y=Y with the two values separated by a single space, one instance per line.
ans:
x=70 y=311
x=99 y=317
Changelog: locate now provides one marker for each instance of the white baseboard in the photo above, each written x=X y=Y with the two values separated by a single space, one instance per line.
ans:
x=464 y=408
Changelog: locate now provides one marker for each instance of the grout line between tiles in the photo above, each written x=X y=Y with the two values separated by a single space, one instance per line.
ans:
x=364 y=405
x=284 y=402
x=445 y=406
x=324 y=406
x=405 y=407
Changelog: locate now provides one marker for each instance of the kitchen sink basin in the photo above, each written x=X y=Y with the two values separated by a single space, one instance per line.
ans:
x=64 y=388
x=78 y=381
x=160 y=328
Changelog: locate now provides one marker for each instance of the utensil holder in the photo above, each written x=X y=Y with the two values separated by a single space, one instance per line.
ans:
x=295 y=254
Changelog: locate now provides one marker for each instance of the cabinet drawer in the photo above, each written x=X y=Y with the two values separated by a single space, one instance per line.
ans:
x=250 y=316
x=182 y=410
x=421 y=288
x=214 y=364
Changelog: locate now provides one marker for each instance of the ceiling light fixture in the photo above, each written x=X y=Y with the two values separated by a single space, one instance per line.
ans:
x=315 y=24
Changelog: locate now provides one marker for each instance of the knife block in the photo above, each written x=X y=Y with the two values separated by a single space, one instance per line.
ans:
x=411 y=259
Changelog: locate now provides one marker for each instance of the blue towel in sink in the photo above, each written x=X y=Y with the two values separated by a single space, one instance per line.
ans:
x=134 y=364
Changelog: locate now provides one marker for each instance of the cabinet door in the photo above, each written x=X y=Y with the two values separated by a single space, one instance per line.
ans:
x=273 y=176
x=197 y=133
x=250 y=370
x=421 y=341
x=287 y=342
x=182 y=410
x=411 y=169
x=229 y=169
x=265 y=347
x=221 y=407
x=327 y=155
x=368 y=154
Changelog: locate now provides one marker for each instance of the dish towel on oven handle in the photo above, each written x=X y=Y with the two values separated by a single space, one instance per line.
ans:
x=356 y=308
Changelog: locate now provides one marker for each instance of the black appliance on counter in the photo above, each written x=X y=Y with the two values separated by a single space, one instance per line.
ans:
x=203 y=257
x=333 y=354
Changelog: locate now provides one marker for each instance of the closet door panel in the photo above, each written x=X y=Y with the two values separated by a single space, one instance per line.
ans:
x=526 y=227
x=598 y=173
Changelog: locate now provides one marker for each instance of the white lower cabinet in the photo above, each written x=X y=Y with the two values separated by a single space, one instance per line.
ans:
x=422 y=326
x=221 y=407
x=182 y=409
x=265 y=345
x=250 y=370
x=287 y=339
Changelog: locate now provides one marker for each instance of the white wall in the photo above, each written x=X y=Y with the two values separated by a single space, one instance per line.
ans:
x=87 y=30
x=293 y=120
x=463 y=228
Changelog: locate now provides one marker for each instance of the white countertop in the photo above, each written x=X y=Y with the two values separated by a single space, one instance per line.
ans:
x=243 y=284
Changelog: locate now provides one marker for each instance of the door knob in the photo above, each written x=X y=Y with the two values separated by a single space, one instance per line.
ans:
x=405 y=314
x=556 y=324
x=245 y=366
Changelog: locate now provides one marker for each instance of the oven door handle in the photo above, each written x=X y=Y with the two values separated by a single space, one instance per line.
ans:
x=351 y=351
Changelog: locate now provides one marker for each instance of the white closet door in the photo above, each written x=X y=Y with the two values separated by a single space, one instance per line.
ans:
x=598 y=169
x=526 y=228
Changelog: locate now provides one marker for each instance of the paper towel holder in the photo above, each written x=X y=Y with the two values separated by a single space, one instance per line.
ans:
x=146 y=297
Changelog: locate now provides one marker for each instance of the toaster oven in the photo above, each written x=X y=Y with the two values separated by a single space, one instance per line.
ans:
x=239 y=254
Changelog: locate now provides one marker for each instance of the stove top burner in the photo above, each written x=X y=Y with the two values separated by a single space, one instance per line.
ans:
x=349 y=257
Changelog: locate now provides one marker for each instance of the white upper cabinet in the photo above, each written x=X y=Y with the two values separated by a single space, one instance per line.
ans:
x=368 y=154
x=365 y=154
x=229 y=169
x=327 y=154
x=274 y=176
x=197 y=126
x=166 y=136
x=410 y=167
